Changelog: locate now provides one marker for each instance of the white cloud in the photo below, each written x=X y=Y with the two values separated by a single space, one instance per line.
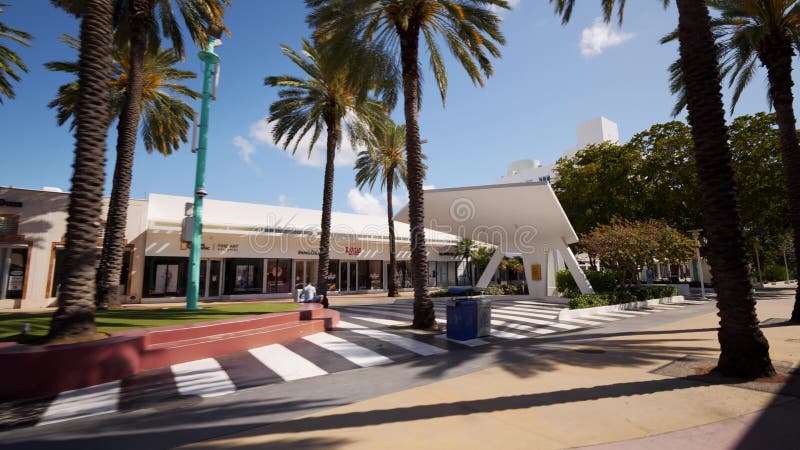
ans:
x=364 y=203
x=283 y=200
x=600 y=36
x=246 y=151
x=261 y=132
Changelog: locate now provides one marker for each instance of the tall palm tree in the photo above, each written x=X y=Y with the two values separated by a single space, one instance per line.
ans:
x=744 y=349
x=334 y=97
x=464 y=251
x=166 y=116
x=8 y=58
x=138 y=30
x=74 y=318
x=385 y=160
x=765 y=31
x=469 y=28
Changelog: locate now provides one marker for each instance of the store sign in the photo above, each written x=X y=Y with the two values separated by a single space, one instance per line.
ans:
x=308 y=252
x=354 y=251
x=13 y=204
x=227 y=247
x=536 y=272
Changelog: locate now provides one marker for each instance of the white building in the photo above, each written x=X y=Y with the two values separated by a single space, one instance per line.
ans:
x=595 y=131
x=248 y=250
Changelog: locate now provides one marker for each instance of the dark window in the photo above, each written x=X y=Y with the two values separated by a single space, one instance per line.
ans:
x=165 y=276
x=333 y=275
x=16 y=273
x=9 y=223
x=243 y=276
x=279 y=276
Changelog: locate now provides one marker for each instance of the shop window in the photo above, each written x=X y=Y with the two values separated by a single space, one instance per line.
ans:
x=376 y=274
x=333 y=275
x=58 y=270
x=165 y=276
x=16 y=273
x=363 y=275
x=9 y=224
x=243 y=276
x=279 y=276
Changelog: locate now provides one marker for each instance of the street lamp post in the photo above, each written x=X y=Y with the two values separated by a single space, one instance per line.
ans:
x=210 y=59
x=696 y=237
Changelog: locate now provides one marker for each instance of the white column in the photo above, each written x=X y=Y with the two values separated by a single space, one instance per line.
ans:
x=490 y=269
x=575 y=270
x=536 y=289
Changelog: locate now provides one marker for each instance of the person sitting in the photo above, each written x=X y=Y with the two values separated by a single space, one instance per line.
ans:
x=309 y=294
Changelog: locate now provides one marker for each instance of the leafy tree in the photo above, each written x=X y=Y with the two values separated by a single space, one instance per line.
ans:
x=464 y=250
x=470 y=29
x=599 y=183
x=385 y=159
x=481 y=257
x=667 y=180
x=333 y=97
x=764 y=31
x=166 y=116
x=74 y=318
x=744 y=349
x=9 y=58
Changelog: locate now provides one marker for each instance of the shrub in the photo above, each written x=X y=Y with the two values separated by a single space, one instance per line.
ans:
x=503 y=289
x=774 y=272
x=439 y=293
x=566 y=285
x=605 y=280
x=589 y=301
x=621 y=296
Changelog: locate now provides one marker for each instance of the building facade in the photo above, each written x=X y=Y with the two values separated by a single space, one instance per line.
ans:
x=248 y=250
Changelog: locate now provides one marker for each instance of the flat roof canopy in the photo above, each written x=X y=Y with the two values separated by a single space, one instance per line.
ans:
x=514 y=217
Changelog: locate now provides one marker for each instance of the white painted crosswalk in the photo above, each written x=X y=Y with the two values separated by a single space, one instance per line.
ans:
x=367 y=335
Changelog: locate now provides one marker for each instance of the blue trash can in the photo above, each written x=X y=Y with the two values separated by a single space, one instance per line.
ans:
x=462 y=319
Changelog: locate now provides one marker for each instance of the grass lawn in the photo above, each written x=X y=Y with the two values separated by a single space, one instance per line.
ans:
x=122 y=319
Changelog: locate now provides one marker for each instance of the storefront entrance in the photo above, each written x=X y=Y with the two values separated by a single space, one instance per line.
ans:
x=13 y=261
x=347 y=276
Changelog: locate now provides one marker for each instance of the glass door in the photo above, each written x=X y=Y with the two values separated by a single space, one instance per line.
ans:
x=347 y=276
x=214 y=279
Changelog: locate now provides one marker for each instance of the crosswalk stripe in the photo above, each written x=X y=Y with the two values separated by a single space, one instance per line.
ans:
x=382 y=313
x=286 y=363
x=84 y=402
x=529 y=308
x=526 y=313
x=535 y=321
x=204 y=378
x=507 y=335
x=412 y=345
x=361 y=356
x=387 y=322
x=477 y=342
x=521 y=327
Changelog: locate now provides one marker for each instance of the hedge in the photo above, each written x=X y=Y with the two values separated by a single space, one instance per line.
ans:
x=622 y=296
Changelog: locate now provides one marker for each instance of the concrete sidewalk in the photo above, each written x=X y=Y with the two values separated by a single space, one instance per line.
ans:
x=635 y=390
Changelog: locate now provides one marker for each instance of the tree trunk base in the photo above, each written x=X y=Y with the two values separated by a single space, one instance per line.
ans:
x=746 y=357
x=424 y=315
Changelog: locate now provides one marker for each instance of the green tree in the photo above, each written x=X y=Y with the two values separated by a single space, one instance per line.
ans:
x=469 y=28
x=464 y=250
x=333 y=97
x=666 y=178
x=749 y=32
x=9 y=58
x=597 y=184
x=166 y=116
x=744 y=349
x=385 y=160
x=138 y=30
x=74 y=318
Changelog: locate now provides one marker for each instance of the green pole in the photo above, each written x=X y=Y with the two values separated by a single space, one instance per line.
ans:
x=192 y=289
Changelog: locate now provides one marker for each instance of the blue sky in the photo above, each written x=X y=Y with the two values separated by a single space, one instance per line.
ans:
x=550 y=78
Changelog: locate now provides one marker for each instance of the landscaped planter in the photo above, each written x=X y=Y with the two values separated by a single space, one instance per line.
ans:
x=566 y=314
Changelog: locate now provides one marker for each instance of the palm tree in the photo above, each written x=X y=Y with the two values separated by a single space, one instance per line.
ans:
x=8 y=58
x=74 y=318
x=744 y=349
x=464 y=250
x=138 y=30
x=334 y=97
x=469 y=28
x=765 y=31
x=385 y=159
x=166 y=116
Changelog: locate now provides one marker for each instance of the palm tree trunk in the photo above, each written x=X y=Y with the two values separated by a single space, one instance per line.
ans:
x=744 y=349
x=332 y=126
x=424 y=315
x=74 y=318
x=108 y=274
x=392 y=248
x=776 y=54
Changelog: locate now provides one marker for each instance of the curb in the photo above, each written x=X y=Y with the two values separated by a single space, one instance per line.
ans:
x=566 y=314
